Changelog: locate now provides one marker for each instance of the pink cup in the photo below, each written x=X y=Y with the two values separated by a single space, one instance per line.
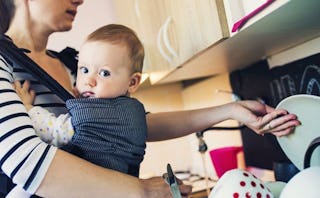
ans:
x=224 y=159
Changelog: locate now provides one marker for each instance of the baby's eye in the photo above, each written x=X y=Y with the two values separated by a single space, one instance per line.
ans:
x=104 y=73
x=83 y=70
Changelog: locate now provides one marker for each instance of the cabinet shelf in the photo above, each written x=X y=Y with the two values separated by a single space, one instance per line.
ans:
x=291 y=24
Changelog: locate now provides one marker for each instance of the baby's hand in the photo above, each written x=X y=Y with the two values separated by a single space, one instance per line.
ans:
x=26 y=94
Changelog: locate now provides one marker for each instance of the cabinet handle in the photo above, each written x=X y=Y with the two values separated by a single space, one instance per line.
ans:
x=137 y=9
x=166 y=37
x=160 y=48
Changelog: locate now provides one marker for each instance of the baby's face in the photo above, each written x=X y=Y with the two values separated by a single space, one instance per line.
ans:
x=104 y=70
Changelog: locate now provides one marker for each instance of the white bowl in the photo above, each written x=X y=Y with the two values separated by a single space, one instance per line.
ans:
x=305 y=184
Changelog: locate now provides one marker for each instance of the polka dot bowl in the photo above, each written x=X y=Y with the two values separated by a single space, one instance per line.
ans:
x=238 y=183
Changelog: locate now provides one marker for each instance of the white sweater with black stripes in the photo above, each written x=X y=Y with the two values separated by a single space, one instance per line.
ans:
x=23 y=156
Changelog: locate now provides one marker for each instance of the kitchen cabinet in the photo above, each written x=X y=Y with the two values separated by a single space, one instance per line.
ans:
x=146 y=17
x=282 y=25
x=196 y=25
x=155 y=26
x=173 y=31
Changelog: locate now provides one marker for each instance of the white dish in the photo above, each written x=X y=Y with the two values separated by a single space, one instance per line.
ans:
x=275 y=187
x=307 y=108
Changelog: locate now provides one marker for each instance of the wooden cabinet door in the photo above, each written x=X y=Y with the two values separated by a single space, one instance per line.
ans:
x=197 y=25
x=126 y=14
x=172 y=31
x=211 y=22
x=145 y=17
x=152 y=15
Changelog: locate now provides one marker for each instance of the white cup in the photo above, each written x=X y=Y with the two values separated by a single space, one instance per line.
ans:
x=305 y=184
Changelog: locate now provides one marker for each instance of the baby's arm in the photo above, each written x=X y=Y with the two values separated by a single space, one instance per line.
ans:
x=56 y=131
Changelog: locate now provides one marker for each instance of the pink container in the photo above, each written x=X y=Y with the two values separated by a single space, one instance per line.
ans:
x=224 y=159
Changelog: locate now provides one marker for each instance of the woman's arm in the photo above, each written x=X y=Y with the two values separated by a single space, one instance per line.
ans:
x=168 y=125
x=257 y=116
x=50 y=172
x=69 y=176
x=55 y=130
x=99 y=181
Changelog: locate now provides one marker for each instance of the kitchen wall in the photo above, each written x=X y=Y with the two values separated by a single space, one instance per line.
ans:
x=183 y=153
x=210 y=92
x=305 y=49
x=158 y=154
x=91 y=15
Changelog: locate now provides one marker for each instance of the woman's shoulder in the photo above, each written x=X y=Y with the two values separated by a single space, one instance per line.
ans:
x=5 y=63
x=6 y=69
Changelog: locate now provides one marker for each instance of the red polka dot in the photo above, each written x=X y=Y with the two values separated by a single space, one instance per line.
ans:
x=246 y=174
x=235 y=195
x=248 y=195
x=259 y=195
x=253 y=184
x=268 y=196
x=262 y=186
x=242 y=183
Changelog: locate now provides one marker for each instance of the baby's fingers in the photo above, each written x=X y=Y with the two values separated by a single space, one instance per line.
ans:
x=32 y=93
x=26 y=85
x=16 y=84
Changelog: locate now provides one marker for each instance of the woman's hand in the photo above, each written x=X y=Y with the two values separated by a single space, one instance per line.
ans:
x=157 y=187
x=263 y=119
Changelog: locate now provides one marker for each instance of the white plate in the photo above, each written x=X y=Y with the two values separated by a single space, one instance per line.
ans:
x=307 y=108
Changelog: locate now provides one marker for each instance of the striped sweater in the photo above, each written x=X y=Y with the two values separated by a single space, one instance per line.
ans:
x=23 y=156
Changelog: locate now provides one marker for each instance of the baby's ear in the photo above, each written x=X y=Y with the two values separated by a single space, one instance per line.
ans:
x=134 y=82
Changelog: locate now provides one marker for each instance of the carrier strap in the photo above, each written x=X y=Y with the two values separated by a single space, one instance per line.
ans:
x=16 y=55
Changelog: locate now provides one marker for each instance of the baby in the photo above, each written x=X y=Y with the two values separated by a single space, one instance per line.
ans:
x=104 y=125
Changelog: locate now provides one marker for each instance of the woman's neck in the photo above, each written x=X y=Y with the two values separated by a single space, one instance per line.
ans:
x=27 y=34
x=33 y=40
x=36 y=42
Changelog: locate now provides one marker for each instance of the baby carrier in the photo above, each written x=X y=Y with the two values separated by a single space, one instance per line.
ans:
x=12 y=54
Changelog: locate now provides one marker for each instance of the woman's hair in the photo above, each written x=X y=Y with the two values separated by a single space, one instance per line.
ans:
x=116 y=33
x=7 y=9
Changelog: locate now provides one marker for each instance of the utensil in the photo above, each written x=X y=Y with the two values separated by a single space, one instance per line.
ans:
x=171 y=180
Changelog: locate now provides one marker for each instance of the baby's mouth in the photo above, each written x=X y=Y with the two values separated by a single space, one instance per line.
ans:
x=87 y=94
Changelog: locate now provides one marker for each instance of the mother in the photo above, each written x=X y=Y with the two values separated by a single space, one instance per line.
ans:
x=51 y=172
